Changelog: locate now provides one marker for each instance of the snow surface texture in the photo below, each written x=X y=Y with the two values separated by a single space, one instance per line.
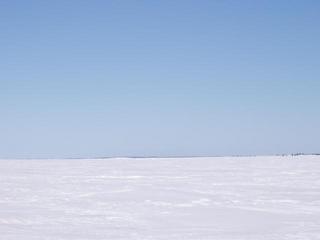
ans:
x=183 y=198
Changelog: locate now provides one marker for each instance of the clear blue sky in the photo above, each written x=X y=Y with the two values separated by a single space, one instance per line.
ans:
x=117 y=78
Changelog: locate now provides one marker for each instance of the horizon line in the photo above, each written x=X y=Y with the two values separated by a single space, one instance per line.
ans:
x=168 y=156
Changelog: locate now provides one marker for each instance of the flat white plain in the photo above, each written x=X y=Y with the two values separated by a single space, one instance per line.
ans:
x=276 y=197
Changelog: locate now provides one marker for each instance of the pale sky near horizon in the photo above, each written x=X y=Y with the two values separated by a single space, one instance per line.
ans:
x=163 y=78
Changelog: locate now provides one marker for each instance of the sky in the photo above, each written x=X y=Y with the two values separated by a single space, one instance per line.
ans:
x=159 y=78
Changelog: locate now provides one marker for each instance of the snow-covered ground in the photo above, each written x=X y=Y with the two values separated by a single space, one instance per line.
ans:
x=249 y=198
